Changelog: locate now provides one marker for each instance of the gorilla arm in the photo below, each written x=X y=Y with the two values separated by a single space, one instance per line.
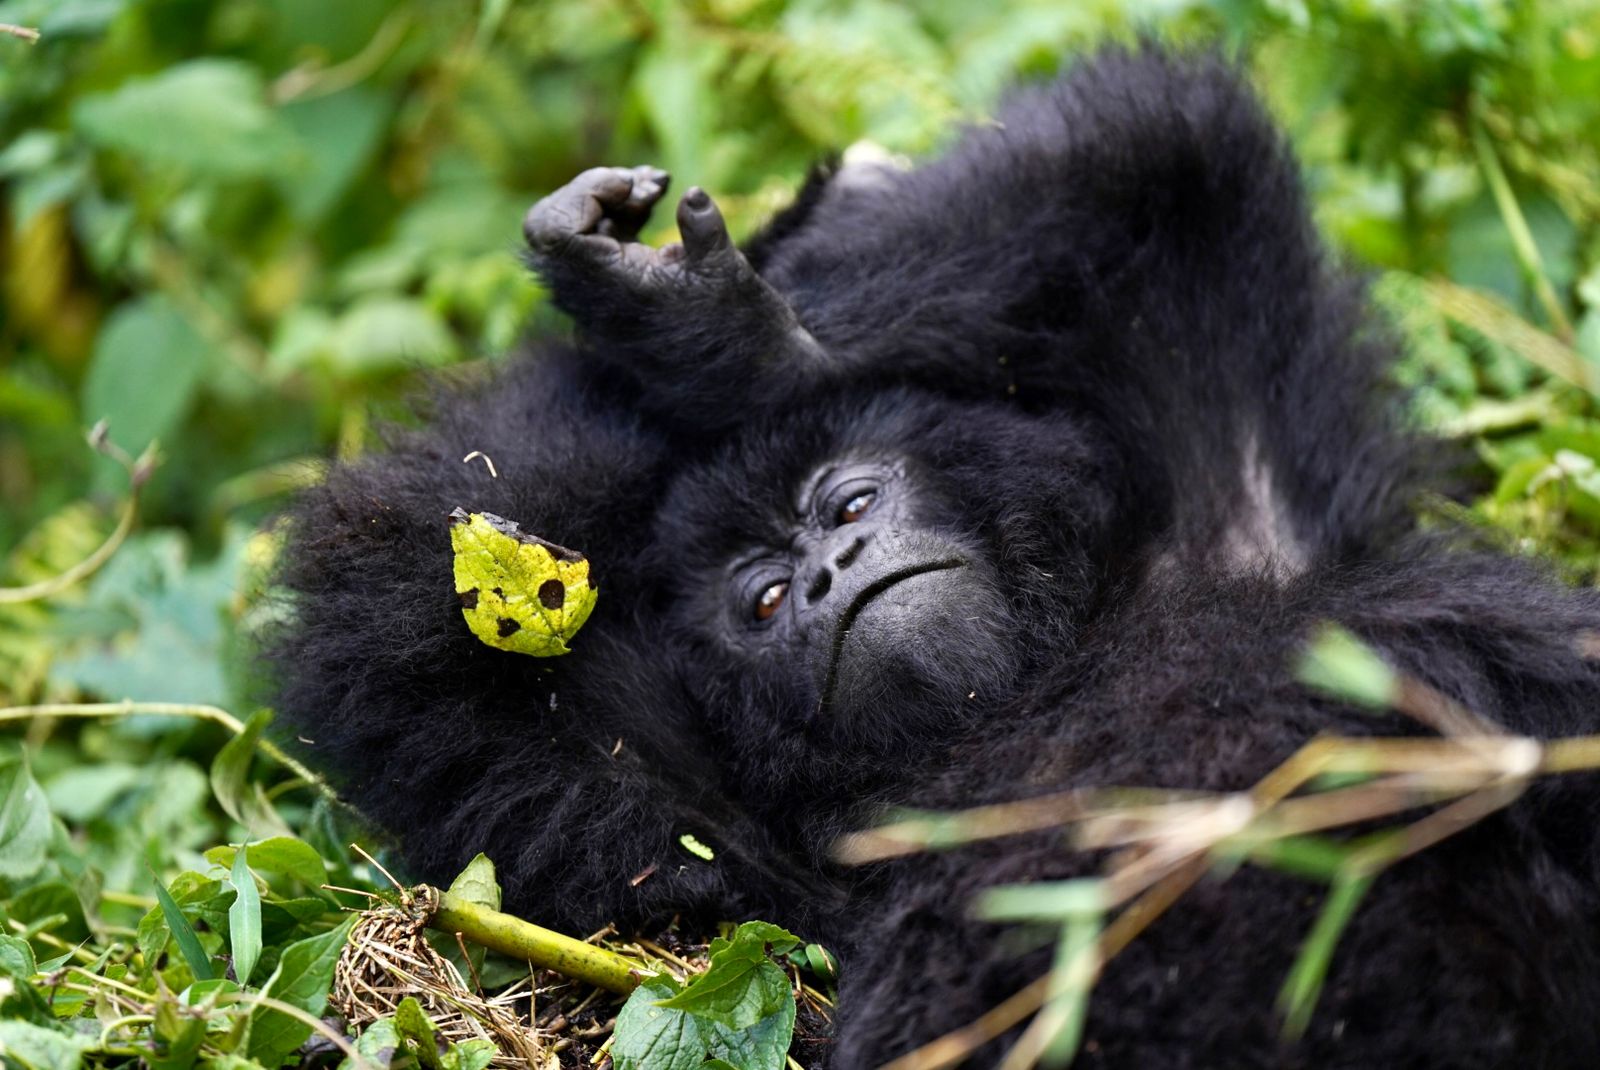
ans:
x=1131 y=242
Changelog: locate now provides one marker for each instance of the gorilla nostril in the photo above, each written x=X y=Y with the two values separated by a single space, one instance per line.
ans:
x=848 y=555
x=819 y=586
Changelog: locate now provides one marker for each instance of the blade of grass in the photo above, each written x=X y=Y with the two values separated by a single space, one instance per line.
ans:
x=188 y=942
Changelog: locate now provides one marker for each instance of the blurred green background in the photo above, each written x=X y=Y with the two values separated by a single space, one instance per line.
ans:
x=242 y=227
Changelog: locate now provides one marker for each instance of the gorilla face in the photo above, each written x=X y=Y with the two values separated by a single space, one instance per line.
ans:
x=869 y=591
x=858 y=584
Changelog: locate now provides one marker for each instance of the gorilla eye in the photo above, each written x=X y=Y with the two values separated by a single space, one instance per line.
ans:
x=770 y=600
x=857 y=507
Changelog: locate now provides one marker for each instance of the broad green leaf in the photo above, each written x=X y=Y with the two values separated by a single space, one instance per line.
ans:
x=304 y=976
x=469 y=1055
x=279 y=854
x=198 y=896
x=384 y=334
x=377 y=1044
x=143 y=375
x=518 y=592
x=418 y=1033
x=244 y=919
x=37 y=1047
x=476 y=883
x=24 y=820
x=18 y=998
x=742 y=985
x=183 y=932
x=339 y=132
x=650 y=1036
x=207 y=117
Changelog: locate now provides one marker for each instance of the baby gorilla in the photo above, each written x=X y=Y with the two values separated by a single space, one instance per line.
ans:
x=1027 y=470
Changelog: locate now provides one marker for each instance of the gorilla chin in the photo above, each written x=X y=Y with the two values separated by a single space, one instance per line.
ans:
x=928 y=642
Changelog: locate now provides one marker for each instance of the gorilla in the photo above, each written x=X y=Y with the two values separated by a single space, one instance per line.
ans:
x=1027 y=470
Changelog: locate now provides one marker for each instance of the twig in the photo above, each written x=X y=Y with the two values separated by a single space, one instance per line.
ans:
x=139 y=471
x=30 y=36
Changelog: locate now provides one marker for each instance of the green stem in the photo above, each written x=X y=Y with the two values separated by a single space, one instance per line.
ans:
x=528 y=942
x=164 y=709
x=1526 y=249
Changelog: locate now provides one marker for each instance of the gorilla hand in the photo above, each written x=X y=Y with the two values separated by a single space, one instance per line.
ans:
x=693 y=313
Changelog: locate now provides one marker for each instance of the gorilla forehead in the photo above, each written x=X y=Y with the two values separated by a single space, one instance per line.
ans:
x=981 y=463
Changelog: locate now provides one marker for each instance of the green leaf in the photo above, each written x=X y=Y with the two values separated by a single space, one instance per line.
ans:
x=518 y=592
x=1044 y=901
x=384 y=334
x=470 y=1055
x=207 y=117
x=305 y=973
x=287 y=855
x=377 y=1044
x=1297 y=999
x=742 y=986
x=417 y=1032
x=477 y=883
x=244 y=920
x=239 y=796
x=144 y=372
x=188 y=942
x=38 y=1047
x=178 y=1032
x=18 y=967
x=24 y=820
x=339 y=131
x=1336 y=662
x=651 y=1036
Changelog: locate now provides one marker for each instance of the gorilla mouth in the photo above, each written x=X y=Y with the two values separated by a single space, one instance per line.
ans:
x=868 y=593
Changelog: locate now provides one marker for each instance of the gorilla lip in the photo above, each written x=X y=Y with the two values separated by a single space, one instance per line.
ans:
x=868 y=594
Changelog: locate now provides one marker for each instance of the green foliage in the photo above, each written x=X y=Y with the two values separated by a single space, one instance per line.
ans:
x=240 y=227
x=739 y=1013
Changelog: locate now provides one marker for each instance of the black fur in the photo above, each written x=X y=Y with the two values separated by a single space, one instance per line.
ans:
x=1104 y=338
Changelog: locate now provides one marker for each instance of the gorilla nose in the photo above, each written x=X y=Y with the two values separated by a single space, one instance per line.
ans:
x=819 y=586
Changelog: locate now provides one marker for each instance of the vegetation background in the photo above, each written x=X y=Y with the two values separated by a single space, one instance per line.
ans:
x=242 y=228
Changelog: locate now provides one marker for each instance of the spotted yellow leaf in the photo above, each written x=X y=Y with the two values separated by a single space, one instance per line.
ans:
x=518 y=592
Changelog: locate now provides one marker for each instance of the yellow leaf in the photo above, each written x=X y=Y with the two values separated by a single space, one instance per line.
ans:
x=518 y=592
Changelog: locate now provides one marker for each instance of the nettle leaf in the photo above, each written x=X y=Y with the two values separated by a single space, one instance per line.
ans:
x=208 y=117
x=24 y=820
x=740 y=1011
x=743 y=985
x=417 y=1033
x=303 y=978
x=518 y=592
x=145 y=370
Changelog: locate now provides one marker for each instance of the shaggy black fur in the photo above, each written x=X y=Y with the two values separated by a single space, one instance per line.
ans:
x=1103 y=341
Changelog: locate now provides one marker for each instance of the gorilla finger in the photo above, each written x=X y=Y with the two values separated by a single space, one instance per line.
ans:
x=627 y=218
x=700 y=223
x=576 y=208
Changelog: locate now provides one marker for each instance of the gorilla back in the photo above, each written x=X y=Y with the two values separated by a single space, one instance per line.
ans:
x=1026 y=470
